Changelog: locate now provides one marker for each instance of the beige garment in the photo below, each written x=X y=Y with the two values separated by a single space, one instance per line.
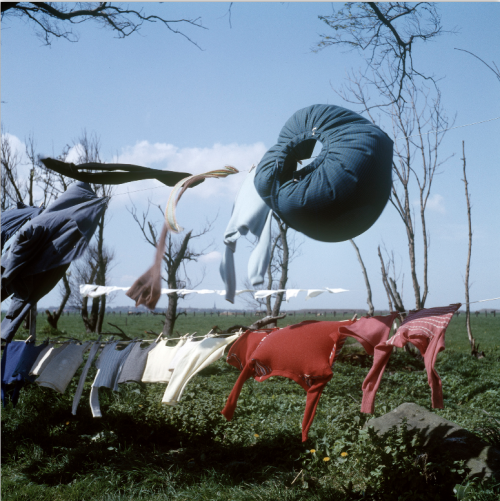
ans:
x=201 y=355
x=62 y=367
x=45 y=357
x=158 y=362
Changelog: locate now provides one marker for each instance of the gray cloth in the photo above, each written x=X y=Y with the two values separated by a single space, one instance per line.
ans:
x=135 y=363
x=61 y=369
x=109 y=365
x=45 y=357
x=79 y=389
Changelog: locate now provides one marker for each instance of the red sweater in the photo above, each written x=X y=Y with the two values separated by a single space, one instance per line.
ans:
x=303 y=352
x=425 y=329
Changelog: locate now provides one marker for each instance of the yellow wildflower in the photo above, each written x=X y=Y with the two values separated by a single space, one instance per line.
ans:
x=256 y=435
x=344 y=454
x=312 y=451
x=67 y=423
x=326 y=459
x=140 y=405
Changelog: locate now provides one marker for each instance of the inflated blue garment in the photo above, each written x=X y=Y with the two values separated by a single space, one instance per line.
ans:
x=344 y=190
x=13 y=219
x=43 y=249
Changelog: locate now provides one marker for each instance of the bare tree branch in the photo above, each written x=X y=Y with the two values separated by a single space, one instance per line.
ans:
x=51 y=18
x=386 y=33
x=495 y=70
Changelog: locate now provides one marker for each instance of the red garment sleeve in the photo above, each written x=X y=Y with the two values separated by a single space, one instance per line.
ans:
x=435 y=346
x=232 y=400
x=312 y=401
x=373 y=378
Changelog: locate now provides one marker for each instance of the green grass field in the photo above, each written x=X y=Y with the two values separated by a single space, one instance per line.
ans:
x=486 y=329
x=140 y=449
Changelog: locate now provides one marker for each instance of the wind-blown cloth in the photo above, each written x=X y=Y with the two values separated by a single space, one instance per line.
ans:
x=146 y=289
x=13 y=219
x=250 y=214
x=425 y=329
x=344 y=190
x=304 y=352
x=44 y=248
x=113 y=173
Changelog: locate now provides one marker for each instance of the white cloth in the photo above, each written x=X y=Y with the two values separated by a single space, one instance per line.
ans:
x=188 y=346
x=250 y=214
x=200 y=355
x=313 y=293
x=265 y=293
x=156 y=370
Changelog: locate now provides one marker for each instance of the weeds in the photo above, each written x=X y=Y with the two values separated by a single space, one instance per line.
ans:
x=141 y=449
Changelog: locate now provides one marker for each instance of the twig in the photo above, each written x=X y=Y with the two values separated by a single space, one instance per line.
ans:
x=122 y=335
x=298 y=474
x=353 y=398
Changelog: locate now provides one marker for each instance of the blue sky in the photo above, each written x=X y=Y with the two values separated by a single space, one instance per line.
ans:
x=157 y=100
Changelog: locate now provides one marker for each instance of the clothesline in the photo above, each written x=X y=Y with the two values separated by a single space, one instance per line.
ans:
x=88 y=290
x=470 y=302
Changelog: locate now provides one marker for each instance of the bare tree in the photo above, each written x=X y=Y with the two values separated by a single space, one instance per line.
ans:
x=284 y=249
x=56 y=19
x=390 y=283
x=385 y=33
x=53 y=318
x=371 y=310
x=474 y=349
x=177 y=255
x=99 y=257
x=392 y=84
x=419 y=125
x=13 y=191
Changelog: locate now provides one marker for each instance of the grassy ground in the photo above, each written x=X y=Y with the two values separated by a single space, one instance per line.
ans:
x=143 y=450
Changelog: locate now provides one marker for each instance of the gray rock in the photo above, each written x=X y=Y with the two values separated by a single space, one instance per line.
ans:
x=482 y=459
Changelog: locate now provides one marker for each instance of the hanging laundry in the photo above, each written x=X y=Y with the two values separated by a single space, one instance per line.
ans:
x=198 y=357
x=17 y=359
x=13 y=219
x=79 y=389
x=244 y=346
x=109 y=365
x=344 y=190
x=113 y=173
x=371 y=333
x=158 y=362
x=62 y=367
x=301 y=352
x=45 y=357
x=250 y=214
x=425 y=329
x=135 y=364
x=45 y=247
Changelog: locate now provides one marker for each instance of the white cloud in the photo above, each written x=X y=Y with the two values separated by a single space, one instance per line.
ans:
x=196 y=161
x=436 y=203
x=211 y=257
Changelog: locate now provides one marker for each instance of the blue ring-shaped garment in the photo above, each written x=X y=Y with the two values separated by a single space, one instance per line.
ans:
x=344 y=190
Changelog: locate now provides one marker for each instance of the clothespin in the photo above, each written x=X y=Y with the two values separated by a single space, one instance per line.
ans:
x=354 y=317
x=29 y=339
x=159 y=337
